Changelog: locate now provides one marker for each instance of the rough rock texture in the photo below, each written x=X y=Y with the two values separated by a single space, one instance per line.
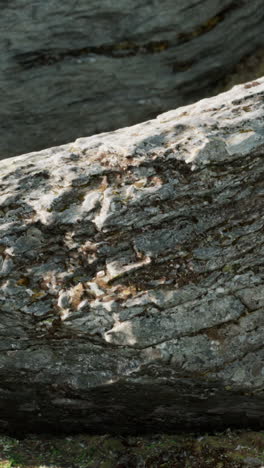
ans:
x=78 y=68
x=132 y=277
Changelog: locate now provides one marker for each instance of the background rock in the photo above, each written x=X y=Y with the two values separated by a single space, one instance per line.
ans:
x=70 y=69
x=132 y=275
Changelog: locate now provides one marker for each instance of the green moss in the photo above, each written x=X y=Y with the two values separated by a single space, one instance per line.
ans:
x=246 y=130
x=201 y=29
x=228 y=268
x=113 y=445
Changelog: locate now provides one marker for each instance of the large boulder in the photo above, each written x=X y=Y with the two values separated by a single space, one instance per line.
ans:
x=70 y=69
x=132 y=277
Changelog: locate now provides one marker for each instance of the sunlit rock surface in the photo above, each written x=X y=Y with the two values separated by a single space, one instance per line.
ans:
x=78 y=68
x=132 y=277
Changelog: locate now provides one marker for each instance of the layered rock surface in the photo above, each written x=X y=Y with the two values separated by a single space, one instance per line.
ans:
x=132 y=277
x=70 y=69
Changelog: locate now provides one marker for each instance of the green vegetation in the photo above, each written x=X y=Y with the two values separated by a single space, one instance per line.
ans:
x=225 y=450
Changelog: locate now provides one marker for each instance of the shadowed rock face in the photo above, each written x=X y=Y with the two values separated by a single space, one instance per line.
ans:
x=132 y=279
x=70 y=69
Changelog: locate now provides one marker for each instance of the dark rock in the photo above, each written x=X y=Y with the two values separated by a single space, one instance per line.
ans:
x=70 y=69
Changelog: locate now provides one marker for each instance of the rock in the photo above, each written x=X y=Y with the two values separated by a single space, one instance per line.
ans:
x=132 y=276
x=72 y=70
x=252 y=461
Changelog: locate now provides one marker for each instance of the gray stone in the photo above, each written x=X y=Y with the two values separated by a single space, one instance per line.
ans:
x=132 y=275
x=70 y=69
x=251 y=461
